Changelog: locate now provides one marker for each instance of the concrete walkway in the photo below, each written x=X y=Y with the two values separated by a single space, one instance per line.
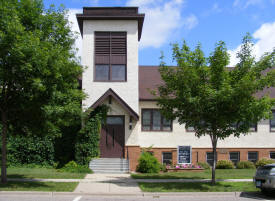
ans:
x=108 y=184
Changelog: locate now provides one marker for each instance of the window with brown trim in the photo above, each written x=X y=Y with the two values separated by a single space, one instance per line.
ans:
x=234 y=157
x=110 y=56
x=252 y=156
x=152 y=120
x=210 y=158
x=167 y=158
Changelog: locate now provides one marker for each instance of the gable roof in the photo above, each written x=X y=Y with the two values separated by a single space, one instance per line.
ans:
x=150 y=79
x=114 y=95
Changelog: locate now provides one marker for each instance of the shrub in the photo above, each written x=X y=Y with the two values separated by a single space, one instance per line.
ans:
x=30 y=150
x=147 y=163
x=245 y=165
x=264 y=161
x=163 y=168
x=73 y=167
x=225 y=164
x=204 y=165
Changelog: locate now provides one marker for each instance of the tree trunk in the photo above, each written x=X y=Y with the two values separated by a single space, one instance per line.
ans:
x=4 y=147
x=214 y=147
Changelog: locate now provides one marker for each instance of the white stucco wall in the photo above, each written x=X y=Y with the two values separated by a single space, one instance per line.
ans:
x=128 y=91
x=263 y=138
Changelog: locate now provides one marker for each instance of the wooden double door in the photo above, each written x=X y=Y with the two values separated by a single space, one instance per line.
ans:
x=112 y=138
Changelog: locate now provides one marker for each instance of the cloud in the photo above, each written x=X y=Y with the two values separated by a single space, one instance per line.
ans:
x=162 y=19
x=214 y=9
x=246 y=3
x=74 y=27
x=190 y=22
x=265 y=37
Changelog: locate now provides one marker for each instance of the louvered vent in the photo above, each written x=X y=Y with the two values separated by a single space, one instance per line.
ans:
x=118 y=43
x=102 y=43
x=110 y=56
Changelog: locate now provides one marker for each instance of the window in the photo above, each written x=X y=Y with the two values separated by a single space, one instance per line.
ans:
x=234 y=157
x=272 y=121
x=110 y=56
x=152 y=120
x=253 y=128
x=210 y=158
x=253 y=156
x=272 y=155
x=167 y=158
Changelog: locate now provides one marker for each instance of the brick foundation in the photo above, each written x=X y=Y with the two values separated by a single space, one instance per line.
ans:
x=198 y=154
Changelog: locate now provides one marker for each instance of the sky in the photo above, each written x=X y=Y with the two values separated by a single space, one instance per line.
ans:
x=195 y=21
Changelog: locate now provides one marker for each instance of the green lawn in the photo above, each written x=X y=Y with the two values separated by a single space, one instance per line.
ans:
x=198 y=187
x=41 y=173
x=39 y=186
x=220 y=174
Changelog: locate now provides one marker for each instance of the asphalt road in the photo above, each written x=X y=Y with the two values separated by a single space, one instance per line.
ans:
x=146 y=197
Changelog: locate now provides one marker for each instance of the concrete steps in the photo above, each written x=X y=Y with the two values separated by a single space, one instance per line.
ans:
x=109 y=165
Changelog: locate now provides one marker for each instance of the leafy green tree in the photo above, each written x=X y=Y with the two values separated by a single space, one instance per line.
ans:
x=38 y=71
x=216 y=100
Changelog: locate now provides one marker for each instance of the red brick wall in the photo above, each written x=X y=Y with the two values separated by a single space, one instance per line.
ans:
x=198 y=154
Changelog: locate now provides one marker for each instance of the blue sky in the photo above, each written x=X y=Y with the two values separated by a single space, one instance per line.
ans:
x=204 y=21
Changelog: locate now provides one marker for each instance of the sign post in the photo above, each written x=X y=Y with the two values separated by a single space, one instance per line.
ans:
x=184 y=154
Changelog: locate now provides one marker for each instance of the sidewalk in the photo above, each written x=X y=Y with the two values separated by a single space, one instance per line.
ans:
x=118 y=178
x=108 y=184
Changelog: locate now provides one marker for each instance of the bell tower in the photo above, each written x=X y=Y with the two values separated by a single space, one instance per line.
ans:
x=110 y=53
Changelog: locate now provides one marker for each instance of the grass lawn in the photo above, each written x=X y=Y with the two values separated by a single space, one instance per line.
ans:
x=39 y=186
x=198 y=187
x=220 y=174
x=41 y=173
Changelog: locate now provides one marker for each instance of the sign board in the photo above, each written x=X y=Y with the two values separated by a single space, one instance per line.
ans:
x=184 y=154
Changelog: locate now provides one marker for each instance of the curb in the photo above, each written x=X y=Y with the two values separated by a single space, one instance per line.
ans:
x=147 y=194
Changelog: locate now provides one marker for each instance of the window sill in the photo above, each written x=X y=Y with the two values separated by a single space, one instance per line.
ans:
x=110 y=80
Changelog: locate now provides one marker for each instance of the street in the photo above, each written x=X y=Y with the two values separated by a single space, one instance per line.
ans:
x=10 y=196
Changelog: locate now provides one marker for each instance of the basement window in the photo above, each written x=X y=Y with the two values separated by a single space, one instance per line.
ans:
x=253 y=156
x=167 y=158
x=234 y=157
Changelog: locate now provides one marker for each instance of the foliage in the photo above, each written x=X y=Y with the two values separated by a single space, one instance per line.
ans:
x=30 y=150
x=38 y=71
x=225 y=164
x=163 y=168
x=147 y=163
x=217 y=101
x=73 y=167
x=264 y=161
x=64 y=146
x=87 y=145
x=245 y=165
x=204 y=165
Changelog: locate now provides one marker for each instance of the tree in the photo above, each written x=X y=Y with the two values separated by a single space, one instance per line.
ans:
x=217 y=101
x=38 y=71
